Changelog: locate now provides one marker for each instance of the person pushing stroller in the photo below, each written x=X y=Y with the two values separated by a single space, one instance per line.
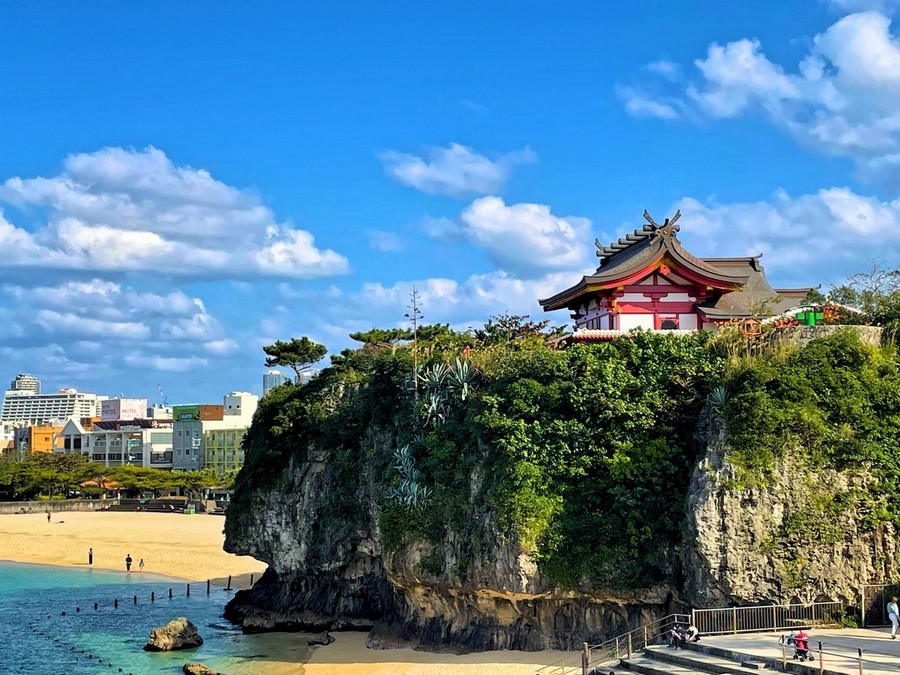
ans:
x=800 y=642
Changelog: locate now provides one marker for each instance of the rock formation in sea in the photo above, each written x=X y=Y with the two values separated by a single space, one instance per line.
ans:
x=179 y=633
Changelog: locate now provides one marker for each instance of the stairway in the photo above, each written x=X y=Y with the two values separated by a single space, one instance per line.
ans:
x=660 y=660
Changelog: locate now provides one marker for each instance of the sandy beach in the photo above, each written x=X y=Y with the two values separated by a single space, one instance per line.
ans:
x=190 y=547
x=177 y=545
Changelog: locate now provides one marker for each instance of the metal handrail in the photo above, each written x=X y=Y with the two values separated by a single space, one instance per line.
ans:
x=618 y=647
x=759 y=618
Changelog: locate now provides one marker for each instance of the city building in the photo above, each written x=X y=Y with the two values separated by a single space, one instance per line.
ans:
x=196 y=427
x=23 y=408
x=25 y=382
x=37 y=439
x=159 y=411
x=139 y=442
x=123 y=409
x=648 y=280
x=272 y=379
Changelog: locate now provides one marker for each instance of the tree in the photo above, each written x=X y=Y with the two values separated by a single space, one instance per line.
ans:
x=298 y=355
x=508 y=328
x=383 y=337
x=875 y=294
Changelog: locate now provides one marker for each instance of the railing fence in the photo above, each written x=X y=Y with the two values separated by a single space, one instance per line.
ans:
x=761 y=618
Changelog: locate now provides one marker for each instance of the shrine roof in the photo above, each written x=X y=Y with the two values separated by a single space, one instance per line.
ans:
x=640 y=251
x=756 y=298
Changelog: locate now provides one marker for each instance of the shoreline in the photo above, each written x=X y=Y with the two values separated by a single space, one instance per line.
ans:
x=177 y=546
x=151 y=577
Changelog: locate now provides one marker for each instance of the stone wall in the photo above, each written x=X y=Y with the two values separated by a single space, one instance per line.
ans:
x=56 y=506
x=801 y=335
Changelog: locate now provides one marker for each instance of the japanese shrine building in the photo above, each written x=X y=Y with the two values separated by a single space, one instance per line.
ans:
x=648 y=280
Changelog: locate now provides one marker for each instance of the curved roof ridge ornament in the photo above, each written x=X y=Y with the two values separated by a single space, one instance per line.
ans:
x=668 y=226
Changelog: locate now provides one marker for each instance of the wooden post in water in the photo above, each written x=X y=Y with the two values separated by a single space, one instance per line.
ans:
x=152 y=596
x=116 y=603
x=251 y=581
x=170 y=594
x=189 y=590
x=207 y=586
x=135 y=599
x=228 y=588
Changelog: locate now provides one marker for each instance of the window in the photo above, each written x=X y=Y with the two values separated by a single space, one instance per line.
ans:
x=668 y=323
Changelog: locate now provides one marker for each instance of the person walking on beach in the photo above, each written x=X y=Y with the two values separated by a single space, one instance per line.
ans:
x=90 y=556
x=48 y=516
x=141 y=565
x=128 y=562
x=893 y=614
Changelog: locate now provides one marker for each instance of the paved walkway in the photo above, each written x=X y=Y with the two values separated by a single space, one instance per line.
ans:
x=839 y=646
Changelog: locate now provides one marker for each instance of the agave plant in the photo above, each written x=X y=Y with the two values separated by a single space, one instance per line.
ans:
x=434 y=376
x=435 y=408
x=718 y=399
x=411 y=490
x=462 y=379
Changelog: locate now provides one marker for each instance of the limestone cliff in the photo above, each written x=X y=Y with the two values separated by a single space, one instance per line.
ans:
x=323 y=574
x=805 y=536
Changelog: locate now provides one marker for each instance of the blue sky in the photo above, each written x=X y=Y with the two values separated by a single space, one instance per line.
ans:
x=181 y=183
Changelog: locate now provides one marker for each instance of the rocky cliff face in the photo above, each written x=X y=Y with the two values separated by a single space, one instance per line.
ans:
x=784 y=542
x=324 y=573
x=801 y=538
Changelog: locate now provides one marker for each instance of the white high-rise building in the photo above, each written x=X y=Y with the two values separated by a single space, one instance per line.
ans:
x=25 y=383
x=28 y=409
x=272 y=379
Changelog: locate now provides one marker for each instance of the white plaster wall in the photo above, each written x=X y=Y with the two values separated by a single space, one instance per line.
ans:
x=687 y=321
x=629 y=321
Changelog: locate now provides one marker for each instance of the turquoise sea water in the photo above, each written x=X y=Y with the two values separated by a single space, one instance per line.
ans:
x=36 y=637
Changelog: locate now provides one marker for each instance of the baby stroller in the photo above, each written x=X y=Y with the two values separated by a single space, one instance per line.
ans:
x=800 y=642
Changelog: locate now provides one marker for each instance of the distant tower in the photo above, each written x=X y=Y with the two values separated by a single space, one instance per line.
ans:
x=272 y=379
x=24 y=382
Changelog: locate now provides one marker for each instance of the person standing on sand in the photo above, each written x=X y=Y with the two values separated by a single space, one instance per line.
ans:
x=141 y=565
x=90 y=556
x=48 y=516
x=128 y=562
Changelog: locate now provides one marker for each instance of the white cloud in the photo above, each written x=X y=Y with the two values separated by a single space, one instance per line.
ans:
x=109 y=326
x=523 y=239
x=456 y=170
x=387 y=242
x=118 y=210
x=839 y=99
x=819 y=237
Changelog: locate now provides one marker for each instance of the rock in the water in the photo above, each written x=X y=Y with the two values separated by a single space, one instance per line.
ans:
x=325 y=638
x=177 y=634
x=198 y=669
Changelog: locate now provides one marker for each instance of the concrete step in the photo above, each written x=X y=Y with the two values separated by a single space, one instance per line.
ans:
x=698 y=661
x=646 y=665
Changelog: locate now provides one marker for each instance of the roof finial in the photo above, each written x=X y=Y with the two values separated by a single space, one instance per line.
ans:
x=649 y=219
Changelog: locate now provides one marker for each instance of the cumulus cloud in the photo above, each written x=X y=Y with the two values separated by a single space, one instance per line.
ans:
x=108 y=325
x=461 y=303
x=840 y=98
x=118 y=210
x=812 y=238
x=526 y=240
x=456 y=170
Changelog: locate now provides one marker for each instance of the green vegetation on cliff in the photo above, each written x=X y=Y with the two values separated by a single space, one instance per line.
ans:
x=582 y=456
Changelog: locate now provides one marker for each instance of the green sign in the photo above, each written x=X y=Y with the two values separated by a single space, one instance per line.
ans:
x=181 y=413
